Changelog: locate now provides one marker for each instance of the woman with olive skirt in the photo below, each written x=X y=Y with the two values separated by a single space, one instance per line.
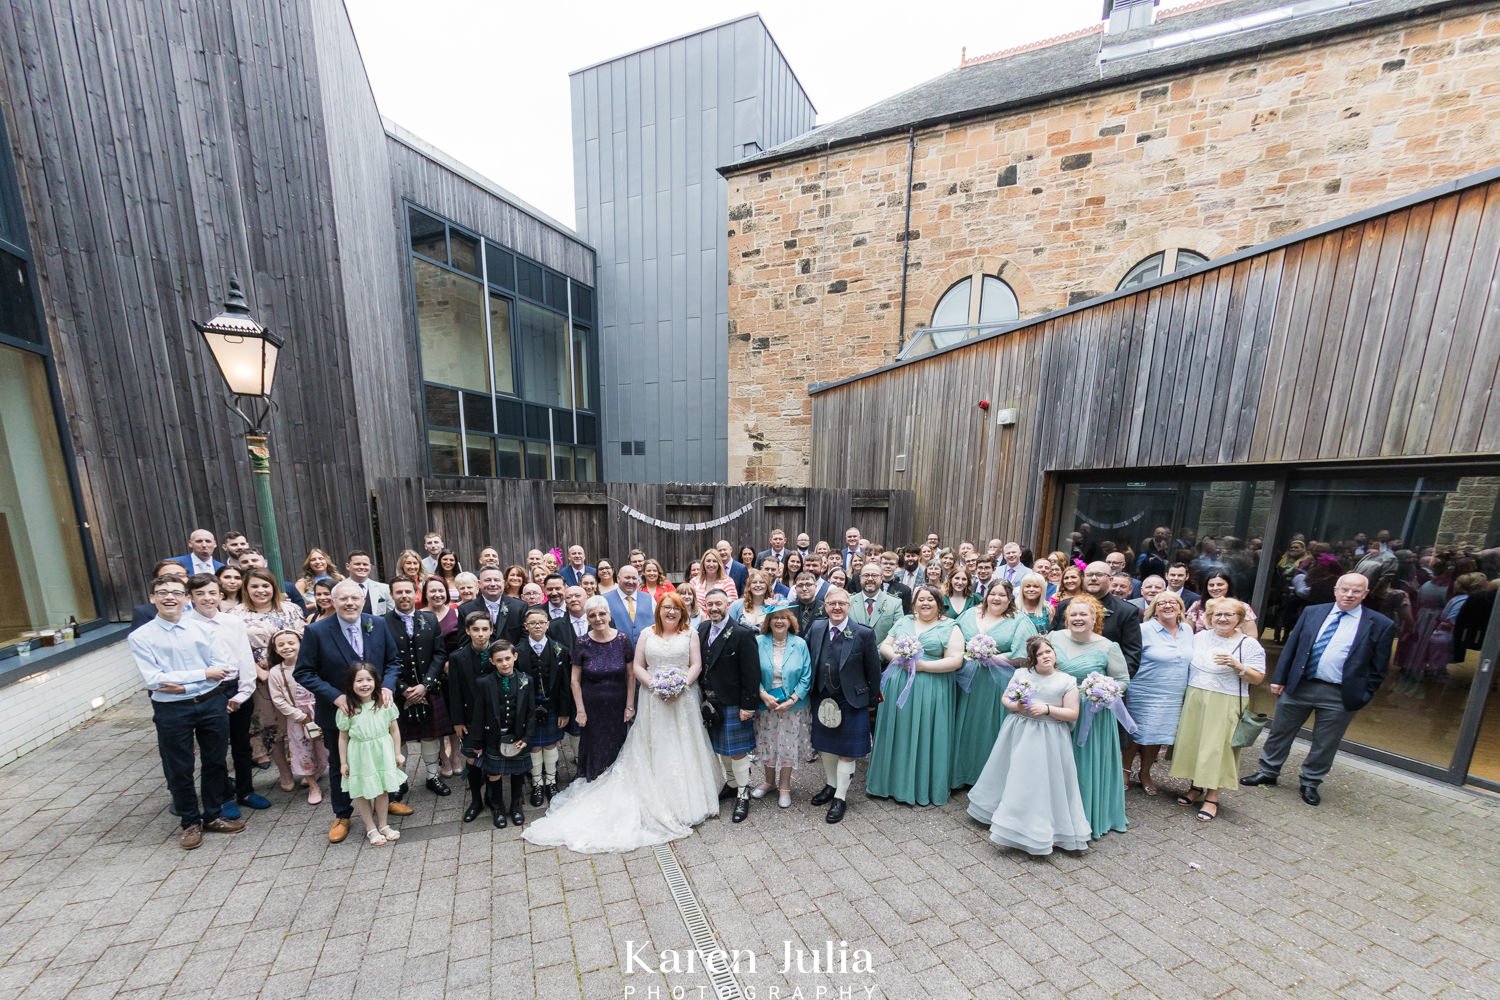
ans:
x=1081 y=651
x=980 y=709
x=912 y=760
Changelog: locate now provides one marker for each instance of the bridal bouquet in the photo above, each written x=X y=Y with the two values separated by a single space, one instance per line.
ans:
x=1021 y=690
x=908 y=650
x=1101 y=694
x=668 y=683
x=982 y=651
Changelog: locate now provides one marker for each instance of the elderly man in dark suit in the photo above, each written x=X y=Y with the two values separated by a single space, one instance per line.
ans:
x=419 y=643
x=731 y=691
x=846 y=672
x=1333 y=663
x=329 y=648
x=1122 y=620
x=738 y=571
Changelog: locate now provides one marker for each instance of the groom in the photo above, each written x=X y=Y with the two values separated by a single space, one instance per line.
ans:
x=731 y=684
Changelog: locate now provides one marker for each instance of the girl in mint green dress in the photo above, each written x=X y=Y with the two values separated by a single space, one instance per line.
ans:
x=913 y=754
x=1101 y=779
x=980 y=711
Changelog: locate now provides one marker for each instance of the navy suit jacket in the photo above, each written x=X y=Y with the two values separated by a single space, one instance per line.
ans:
x=859 y=667
x=645 y=613
x=326 y=656
x=186 y=562
x=739 y=573
x=573 y=578
x=1365 y=668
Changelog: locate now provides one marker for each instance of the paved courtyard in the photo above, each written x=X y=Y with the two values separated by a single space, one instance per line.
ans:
x=1391 y=888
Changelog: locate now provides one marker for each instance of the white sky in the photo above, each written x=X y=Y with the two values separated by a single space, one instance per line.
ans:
x=487 y=82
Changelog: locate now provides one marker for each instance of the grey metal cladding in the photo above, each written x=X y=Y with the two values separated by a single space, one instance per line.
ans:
x=650 y=129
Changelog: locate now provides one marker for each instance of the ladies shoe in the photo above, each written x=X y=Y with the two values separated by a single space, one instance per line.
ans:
x=759 y=791
x=375 y=837
x=390 y=833
x=786 y=798
x=314 y=795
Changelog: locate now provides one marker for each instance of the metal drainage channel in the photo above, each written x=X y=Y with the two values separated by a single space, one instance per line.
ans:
x=715 y=960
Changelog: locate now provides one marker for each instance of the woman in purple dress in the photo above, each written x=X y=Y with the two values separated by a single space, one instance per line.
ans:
x=603 y=690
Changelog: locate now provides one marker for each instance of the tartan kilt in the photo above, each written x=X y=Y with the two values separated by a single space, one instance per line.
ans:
x=732 y=738
x=546 y=733
x=850 y=739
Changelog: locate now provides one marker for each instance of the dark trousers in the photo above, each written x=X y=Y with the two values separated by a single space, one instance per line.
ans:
x=1292 y=710
x=327 y=716
x=178 y=724
x=239 y=750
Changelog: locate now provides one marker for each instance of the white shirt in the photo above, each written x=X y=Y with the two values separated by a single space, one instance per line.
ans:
x=1331 y=666
x=201 y=566
x=236 y=641
x=1210 y=676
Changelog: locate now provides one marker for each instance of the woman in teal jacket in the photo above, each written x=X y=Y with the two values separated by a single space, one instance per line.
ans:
x=782 y=727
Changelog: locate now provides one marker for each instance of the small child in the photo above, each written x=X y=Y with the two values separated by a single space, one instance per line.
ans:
x=370 y=752
x=304 y=740
x=546 y=662
x=505 y=718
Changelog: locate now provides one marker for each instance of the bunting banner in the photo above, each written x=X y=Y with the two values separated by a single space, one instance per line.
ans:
x=657 y=522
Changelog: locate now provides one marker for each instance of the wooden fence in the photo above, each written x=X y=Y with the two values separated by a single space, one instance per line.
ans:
x=516 y=515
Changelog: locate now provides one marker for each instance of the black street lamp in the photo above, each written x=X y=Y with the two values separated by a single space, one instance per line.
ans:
x=246 y=354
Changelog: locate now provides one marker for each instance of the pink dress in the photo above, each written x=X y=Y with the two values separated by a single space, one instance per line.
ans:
x=309 y=758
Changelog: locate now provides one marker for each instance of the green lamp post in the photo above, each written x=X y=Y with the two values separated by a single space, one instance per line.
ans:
x=246 y=353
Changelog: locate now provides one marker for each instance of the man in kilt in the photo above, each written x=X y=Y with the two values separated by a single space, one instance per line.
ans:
x=846 y=681
x=731 y=687
x=424 y=713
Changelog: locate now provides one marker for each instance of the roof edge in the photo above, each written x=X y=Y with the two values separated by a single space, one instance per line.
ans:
x=1454 y=186
x=422 y=147
x=771 y=158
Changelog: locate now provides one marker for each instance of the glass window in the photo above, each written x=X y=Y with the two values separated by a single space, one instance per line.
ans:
x=465 y=250
x=537 y=422
x=583 y=369
x=1147 y=270
x=544 y=350
x=588 y=429
x=562 y=462
x=43 y=577
x=583 y=465
x=562 y=426
x=501 y=264
x=536 y=460
x=450 y=324
x=1426 y=544
x=428 y=235
x=529 y=279
x=481 y=453
x=953 y=308
x=479 y=413
x=505 y=375
x=17 y=307
x=442 y=406
x=443 y=453
x=1187 y=259
x=508 y=459
x=997 y=302
x=557 y=291
x=510 y=416
x=583 y=303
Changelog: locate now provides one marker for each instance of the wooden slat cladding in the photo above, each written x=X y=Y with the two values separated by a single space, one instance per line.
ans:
x=1376 y=339
x=516 y=515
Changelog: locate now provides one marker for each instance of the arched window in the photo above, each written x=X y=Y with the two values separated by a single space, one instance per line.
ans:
x=1160 y=263
x=967 y=309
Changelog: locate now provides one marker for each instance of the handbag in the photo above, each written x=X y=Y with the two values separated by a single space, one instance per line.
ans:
x=830 y=716
x=312 y=731
x=710 y=713
x=1247 y=730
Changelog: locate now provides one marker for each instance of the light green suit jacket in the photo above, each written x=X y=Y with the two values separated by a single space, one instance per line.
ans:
x=887 y=613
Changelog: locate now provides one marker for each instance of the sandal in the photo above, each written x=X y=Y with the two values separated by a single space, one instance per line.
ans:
x=390 y=833
x=1186 y=799
x=1204 y=816
x=1150 y=790
x=375 y=837
x=314 y=795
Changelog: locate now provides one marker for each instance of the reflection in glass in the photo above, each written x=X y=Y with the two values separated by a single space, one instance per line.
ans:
x=583 y=368
x=508 y=459
x=43 y=577
x=481 y=454
x=443 y=453
x=428 y=235
x=583 y=464
x=536 y=460
x=1427 y=545
x=450 y=326
x=17 y=308
x=544 y=346
x=465 y=250
x=505 y=377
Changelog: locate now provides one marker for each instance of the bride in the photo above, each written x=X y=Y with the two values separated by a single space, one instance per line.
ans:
x=666 y=779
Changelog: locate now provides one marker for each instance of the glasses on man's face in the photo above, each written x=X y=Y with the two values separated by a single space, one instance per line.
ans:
x=178 y=594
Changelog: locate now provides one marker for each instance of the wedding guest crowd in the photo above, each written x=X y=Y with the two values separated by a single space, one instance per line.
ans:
x=1066 y=672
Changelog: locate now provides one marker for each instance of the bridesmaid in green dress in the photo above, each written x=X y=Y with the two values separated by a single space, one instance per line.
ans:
x=1081 y=650
x=1032 y=602
x=913 y=754
x=980 y=712
x=958 y=594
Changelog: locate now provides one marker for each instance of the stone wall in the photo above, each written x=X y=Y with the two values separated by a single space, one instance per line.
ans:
x=1469 y=513
x=1062 y=200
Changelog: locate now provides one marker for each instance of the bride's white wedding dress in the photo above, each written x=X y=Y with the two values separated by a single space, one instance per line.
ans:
x=665 y=781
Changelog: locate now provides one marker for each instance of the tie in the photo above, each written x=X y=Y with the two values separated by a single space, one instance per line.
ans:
x=630 y=608
x=355 y=642
x=869 y=608
x=580 y=627
x=714 y=633
x=407 y=620
x=1321 y=644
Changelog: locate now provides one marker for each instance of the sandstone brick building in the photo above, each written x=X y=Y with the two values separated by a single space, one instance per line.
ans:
x=1056 y=172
